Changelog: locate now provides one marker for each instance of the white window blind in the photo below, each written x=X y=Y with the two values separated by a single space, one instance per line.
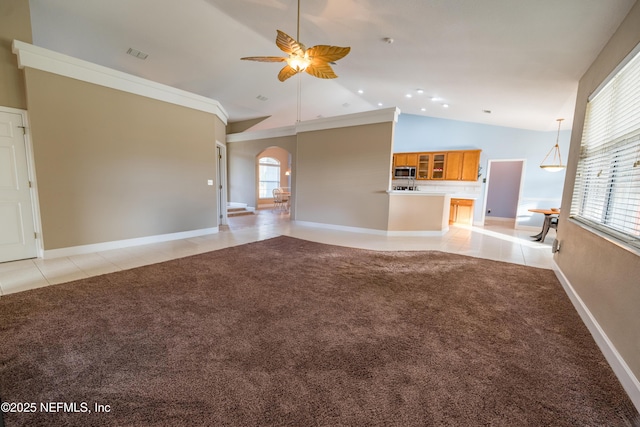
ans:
x=606 y=195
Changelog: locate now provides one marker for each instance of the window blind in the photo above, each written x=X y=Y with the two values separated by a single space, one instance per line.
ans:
x=606 y=194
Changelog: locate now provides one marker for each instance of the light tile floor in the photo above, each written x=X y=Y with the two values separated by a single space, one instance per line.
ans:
x=496 y=241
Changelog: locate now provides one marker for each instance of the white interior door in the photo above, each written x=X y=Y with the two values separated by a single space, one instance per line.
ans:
x=17 y=239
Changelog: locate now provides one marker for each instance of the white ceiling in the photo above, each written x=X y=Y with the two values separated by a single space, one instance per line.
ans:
x=521 y=59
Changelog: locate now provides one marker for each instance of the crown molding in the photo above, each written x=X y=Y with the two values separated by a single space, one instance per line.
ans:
x=262 y=134
x=57 y=63
x=356 y=119
x=347 y=120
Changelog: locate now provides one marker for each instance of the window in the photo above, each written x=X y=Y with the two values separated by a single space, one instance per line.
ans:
x=606 y=195
x=269 y=173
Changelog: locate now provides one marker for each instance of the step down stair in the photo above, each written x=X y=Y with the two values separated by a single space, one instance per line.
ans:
x=238 y=209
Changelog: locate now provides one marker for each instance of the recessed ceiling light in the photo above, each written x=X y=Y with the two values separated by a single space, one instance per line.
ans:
x=346 y=105
x=486 y=111
x=423 y=109
x=379 y=104
x=445 y=105
x=261 y=98
x=436 y=98
x=388 y=40
x=360 y=91
x=137 y=53
x=420 y=91
x=408 y=95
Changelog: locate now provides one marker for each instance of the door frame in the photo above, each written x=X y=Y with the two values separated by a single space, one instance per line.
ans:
x=221 y=182
x=31 y=173
x=488 y=183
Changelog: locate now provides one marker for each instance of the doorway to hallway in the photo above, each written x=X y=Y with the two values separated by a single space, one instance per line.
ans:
x=504 y=186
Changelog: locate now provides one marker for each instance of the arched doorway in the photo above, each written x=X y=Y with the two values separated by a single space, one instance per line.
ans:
x=273 y=171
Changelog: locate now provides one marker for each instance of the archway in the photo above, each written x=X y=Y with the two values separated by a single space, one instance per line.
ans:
x=273 y=171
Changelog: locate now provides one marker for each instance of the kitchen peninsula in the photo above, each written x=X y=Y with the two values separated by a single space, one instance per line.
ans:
x=431 y=190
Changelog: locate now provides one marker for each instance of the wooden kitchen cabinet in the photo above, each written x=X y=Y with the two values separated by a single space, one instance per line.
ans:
x=437 y=166
x=405 y=159
x=431 y=166
x=470 y=165
x=461 y=211
x=454 y=165
x=424 y=159
x=462 y=165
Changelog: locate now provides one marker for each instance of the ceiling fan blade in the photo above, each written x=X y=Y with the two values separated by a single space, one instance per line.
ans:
x=286 y=72
x=322 y=71
x=265 y=58
x=325 y=53
x=289 y=45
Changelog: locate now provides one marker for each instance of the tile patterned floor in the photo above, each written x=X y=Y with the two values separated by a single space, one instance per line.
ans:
x=498 y=241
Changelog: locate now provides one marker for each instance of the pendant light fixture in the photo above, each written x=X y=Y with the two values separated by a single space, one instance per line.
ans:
x=554 y=164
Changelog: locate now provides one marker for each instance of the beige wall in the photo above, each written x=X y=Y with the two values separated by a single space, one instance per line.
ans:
x=242 y=170
x=112 y=165
x=15 y=23
x=343 y=176
x=605 y=275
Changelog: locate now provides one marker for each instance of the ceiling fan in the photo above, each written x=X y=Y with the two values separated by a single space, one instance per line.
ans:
x=314 y=60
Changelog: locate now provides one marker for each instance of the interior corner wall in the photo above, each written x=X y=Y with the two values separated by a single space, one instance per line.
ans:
x=15 y=23
x=603 y=274
x=220 y=133
x=241 y=157
x=112 y=165
x=343 y=176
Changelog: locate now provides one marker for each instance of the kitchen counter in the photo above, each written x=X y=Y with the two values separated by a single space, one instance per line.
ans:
x=453 y=195
x=472 y=190
x=418 y=213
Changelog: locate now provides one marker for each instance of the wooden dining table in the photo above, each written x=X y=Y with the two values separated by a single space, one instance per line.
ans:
x=548 y=215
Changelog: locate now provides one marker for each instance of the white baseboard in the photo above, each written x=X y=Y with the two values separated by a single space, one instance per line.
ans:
x=372 y=230
x=499 y=219
x=422 y=233
x=629 y=381
x=119 y=244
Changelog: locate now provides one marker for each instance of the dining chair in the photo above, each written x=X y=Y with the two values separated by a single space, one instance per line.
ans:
x=277 y=198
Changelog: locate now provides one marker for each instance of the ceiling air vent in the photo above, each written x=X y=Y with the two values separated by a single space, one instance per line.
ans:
x=137 y=53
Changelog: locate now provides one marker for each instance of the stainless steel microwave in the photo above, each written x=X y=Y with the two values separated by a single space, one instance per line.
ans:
x=400 y=172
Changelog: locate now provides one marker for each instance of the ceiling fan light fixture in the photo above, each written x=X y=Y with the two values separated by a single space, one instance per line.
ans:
x=316 y=60
x=555 y=164
x=298 y=62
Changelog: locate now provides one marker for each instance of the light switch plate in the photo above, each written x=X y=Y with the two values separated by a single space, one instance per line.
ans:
x=210 y=182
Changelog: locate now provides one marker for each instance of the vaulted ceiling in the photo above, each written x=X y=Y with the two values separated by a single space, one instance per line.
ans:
x=512 y=63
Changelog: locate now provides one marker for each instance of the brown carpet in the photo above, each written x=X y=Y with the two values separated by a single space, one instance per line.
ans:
x=295 y=333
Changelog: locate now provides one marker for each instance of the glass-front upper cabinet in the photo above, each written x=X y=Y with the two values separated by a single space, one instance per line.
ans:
x=423 y=166
x=437 y=167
